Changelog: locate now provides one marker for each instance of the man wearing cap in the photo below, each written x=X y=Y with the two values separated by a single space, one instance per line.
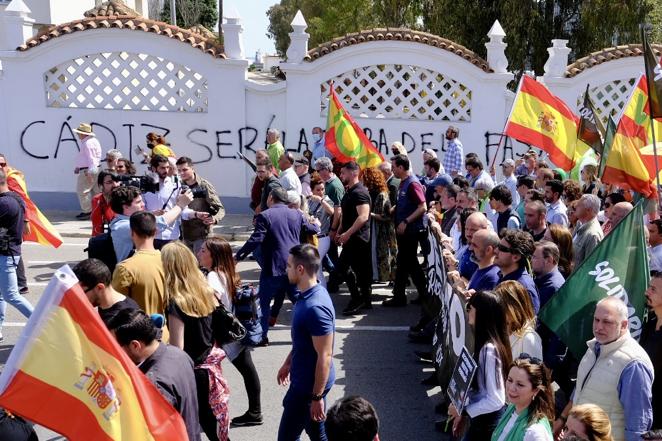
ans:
x=527 y=165
x=510 y=180
x=87 y=168
x=301 y=168
x=454 y=152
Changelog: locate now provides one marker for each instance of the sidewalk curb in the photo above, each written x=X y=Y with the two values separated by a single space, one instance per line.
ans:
x=230 y=237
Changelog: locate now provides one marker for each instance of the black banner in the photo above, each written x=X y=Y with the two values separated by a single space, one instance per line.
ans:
x=452 y=331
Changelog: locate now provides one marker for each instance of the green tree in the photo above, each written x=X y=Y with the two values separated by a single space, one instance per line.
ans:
x=192 y=12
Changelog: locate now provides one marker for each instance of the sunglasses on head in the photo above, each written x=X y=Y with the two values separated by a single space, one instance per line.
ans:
x=532 y=360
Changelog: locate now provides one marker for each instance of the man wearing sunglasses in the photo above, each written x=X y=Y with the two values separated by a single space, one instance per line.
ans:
x=513 y=256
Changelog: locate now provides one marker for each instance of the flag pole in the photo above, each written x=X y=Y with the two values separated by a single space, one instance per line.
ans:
x=650 y=107
x=519 y=86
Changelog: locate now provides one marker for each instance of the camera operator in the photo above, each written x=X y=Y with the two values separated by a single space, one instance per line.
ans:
x=127 y=200
x=205 y=199
x=165 y=198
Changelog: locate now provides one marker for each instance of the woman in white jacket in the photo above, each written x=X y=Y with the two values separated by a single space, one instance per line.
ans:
x=520 y=319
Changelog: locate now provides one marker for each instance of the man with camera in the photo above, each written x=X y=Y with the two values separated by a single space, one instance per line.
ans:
x=205 y=200
x=160 y=201
x=127 y=200
x=12 y=222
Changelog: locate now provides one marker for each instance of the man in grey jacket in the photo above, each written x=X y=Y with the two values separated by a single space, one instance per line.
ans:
x=589 y=233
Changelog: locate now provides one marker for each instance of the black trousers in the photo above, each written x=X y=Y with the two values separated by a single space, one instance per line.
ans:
x=355 y=265
x=244 y=364
x=205 y=415
x=20 y=276
x=407 y=265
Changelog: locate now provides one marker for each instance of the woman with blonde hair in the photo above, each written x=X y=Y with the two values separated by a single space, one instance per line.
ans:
x=190 y=303
x=588 y=422
x=382 y=230
x=562 y=237
x=520 y=319
x=589 y=175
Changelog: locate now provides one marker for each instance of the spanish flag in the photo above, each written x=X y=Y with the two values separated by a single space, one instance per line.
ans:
x=628 y=162
x=543 y=120
x=345 y=139
x=68 y=373
x=40 y=229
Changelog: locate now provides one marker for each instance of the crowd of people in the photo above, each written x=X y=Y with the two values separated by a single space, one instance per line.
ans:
x=508 y=247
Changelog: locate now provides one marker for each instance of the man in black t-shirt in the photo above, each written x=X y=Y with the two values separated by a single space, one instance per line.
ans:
x=94 y=279
x=354 y=236
x=12 y=218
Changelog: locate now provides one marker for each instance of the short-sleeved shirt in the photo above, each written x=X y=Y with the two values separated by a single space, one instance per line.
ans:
x=354 y=197
x=108 y=314
x=484 y=279
x=12 y=214
x=317 y=209
x=334 y=189
x=314 y=316
x=141 y=277
x=198 y=339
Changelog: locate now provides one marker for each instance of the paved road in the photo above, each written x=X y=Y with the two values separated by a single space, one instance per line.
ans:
x=372 y=355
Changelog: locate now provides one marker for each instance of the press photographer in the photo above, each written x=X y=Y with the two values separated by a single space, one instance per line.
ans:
x=164 y=198
x=205 y=200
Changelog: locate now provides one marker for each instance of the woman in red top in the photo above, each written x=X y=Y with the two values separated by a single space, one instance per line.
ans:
x=102 y=214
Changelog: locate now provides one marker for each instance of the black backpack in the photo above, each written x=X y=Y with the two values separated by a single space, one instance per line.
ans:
x=101 y=247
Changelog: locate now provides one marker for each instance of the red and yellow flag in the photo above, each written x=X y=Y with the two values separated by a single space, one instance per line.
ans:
x=345 y=139
x=628 y=162
x=68 y=373
x=40 y=229
x=543 y=120
x=635 y=126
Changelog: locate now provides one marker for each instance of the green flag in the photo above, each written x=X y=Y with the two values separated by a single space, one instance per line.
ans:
x=618 y=266
x=609 y=140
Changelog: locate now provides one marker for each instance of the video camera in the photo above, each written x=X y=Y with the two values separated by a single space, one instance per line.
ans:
x=198 y=192
x=146 y=184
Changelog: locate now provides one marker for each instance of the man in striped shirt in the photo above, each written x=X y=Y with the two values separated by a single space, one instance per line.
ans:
x=454 y=157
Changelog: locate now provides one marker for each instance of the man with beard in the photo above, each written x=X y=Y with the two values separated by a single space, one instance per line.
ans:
x=454 y=157
x=556 y=209
x=535 y=215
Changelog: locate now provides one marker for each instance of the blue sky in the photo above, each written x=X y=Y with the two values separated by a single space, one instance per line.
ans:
x=253 y=15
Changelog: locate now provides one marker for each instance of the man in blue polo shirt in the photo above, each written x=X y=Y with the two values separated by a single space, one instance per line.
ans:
x=308 y=368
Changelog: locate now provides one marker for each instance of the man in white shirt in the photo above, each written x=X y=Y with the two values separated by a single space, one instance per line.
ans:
x=165 y=199
x=510 y=180
x=288 y=178
x=556 y=209
x=655 y=241
x=87 y=168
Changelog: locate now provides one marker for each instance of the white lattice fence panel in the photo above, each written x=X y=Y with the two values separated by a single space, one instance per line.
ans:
x=609 y=98
x=398 y=91
x=125 y=81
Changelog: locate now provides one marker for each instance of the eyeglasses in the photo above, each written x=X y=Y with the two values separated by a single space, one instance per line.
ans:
x=532 y=360
x=505 y=249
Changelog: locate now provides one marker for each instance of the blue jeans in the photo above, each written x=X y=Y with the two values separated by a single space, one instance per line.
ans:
x=296 y=418
x=271 y=287
x=9 y=288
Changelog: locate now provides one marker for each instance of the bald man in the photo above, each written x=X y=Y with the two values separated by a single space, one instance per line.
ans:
x=618 y=212
x=615 y=374
x=475 y=222
x=484 y=245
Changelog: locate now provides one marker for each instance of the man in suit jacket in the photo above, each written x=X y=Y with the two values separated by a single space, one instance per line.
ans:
x=277 y=230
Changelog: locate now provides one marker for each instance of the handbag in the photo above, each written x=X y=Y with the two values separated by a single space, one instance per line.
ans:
x=247 y=310
x=225 y=327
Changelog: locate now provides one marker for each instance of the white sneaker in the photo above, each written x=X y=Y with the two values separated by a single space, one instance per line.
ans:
x=1 y=337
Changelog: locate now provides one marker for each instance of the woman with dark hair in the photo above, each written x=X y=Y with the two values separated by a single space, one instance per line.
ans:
x=487 y=396
x=216 y=256
x=382 y=230
x=531 y=408
x=321 y=208
x=102 y=214
x=562 y=237
x=572 y=191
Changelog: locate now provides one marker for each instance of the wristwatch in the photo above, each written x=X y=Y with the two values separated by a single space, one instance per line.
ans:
x=317 y=397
